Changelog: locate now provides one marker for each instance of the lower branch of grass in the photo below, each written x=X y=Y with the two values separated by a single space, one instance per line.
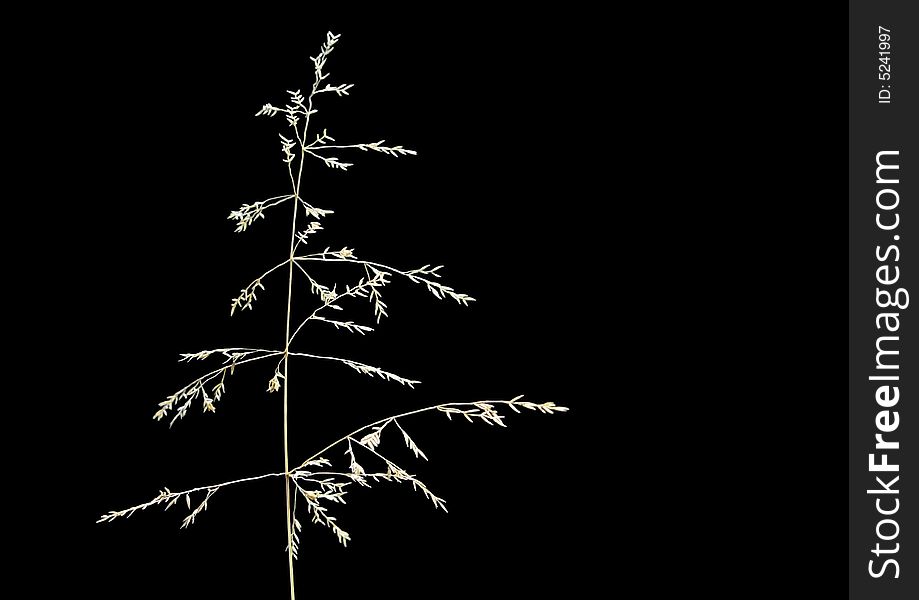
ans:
x=171 y=497
x=477 y=410
x=328 y=484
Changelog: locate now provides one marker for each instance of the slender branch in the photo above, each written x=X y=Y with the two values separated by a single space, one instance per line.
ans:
x=388 y=462
x=226 y=352
x=347 y=325
x=391 y=150
x=547 y=408
x=209 y=376
x=438 y=289
x=247 y=214
x=258 y=279
x=361 y=368
x=191 y=390
x=330 y=161
x=314 y=146
x=352 y=292
x=312 y=281
x=276 y=201
x=334 y=257
x=302 y=475
x=271 y=270
x=168 y=495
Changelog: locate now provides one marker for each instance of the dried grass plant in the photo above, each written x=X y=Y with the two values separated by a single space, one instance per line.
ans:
x=316 y=481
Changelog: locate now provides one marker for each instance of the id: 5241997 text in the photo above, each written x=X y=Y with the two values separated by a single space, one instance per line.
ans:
x=884 y=94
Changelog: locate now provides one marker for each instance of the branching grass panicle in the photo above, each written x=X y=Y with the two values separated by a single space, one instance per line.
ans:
x=324 y=479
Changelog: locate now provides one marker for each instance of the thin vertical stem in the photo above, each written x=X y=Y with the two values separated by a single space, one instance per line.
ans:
x=290 y=288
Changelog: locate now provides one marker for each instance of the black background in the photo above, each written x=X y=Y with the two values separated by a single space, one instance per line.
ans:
x=498 y=122
x=648 y=207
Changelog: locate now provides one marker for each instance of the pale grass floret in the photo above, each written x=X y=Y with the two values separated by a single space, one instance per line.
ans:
x=318 y=480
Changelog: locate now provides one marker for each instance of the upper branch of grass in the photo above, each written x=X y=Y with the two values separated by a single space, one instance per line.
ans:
x=195 y=389
x=423 y=275
x=329 y=298
x=247 y=214
x=247 y=294
x=374 y=146
x=361 y=368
